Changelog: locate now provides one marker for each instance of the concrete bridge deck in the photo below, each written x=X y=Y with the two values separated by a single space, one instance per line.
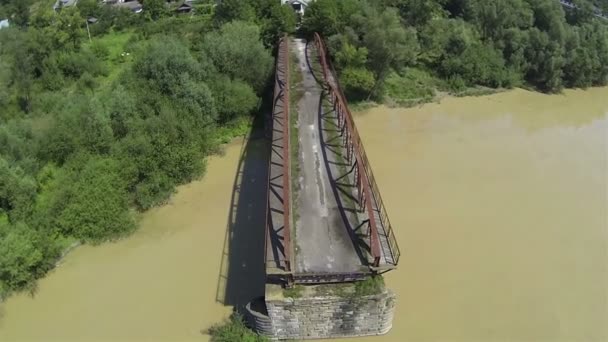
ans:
x=325 y=219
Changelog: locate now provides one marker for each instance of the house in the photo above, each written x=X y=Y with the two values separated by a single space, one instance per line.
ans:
x=186 y=7
x=4 y=23
x=64 y=3
x=298 y=5
x=133 y=5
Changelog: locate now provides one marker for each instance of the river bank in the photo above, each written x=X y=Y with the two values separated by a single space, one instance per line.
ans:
x=499 y=203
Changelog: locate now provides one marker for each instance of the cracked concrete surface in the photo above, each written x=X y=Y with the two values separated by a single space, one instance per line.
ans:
x=322 y=240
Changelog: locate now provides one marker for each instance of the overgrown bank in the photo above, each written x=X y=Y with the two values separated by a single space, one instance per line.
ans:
x=95 y=129
x=408 y=51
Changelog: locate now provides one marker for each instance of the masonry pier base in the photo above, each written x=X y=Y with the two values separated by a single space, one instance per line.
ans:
x=321 y=311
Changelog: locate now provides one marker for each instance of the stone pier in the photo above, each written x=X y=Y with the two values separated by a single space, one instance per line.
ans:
x=321 y=311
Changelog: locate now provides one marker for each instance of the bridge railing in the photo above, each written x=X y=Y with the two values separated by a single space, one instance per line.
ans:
x=281 y=93
x=367 y=185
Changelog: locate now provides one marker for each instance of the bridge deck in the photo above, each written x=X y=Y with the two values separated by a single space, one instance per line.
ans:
x=329 y=224
x=322 y=239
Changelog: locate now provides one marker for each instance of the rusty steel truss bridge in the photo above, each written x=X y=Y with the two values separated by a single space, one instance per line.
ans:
x=325 y=219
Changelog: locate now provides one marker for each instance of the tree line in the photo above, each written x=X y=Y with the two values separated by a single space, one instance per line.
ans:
x=94 y=130
x=464 y=43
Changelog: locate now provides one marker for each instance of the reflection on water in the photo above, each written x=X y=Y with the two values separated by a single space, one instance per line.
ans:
x=500 y=204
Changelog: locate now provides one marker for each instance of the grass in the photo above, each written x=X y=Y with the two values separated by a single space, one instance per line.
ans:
x=370 y=286
x=296 y=92
x=117 y=60
x=294 y=292
x=412 y=87
x=416 y=86
x=343 y=290
x=238 y=127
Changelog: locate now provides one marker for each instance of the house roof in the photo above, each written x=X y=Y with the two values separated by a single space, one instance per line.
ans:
x=134 y=6
x=295 y=2
x=64 y=3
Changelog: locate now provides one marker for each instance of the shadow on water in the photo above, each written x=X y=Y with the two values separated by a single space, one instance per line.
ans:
x=242 y=273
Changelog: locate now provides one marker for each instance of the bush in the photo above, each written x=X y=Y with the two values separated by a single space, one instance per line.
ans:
x=92 y=201
x=358 y=83
x=234 y=330
x=25 y=254
x=370 y=286
x=18 y=256
x=100 y=50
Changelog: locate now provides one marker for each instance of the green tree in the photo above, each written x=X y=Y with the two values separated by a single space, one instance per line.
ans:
x=236 y=50
x=92 y=201
x=233 y=98
x=230 y=10
x=154 y=9
x=358 y=83
x=493 y=18
x=17 y=192
x=389 y=44
x=19 y=256
x=274 y=19
x=546 y=61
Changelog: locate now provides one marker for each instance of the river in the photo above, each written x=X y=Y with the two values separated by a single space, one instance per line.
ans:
x=500 y=205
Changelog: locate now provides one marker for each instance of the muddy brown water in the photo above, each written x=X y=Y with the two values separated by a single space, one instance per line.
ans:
x=500 y=204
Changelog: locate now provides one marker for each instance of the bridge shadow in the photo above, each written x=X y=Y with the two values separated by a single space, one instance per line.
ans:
x=242 y=273
x=341 y=178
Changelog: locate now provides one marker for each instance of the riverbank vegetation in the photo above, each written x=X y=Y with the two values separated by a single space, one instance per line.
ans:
x=406 y=51
x=234 y=330
x=94 y=128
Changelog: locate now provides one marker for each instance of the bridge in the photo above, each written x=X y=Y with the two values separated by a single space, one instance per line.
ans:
x=325 y=219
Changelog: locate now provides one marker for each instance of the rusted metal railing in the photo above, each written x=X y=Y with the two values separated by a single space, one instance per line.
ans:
x=353 y=142
x=369 y=193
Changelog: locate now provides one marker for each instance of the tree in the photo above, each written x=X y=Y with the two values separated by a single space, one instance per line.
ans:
x=546 y=61
x=236 y=51
x=418 y=12
x=233 y=98
x=231 y=10
x=493 y=18
x=358 y=83
x=19 y=256
x=69 y=27
x=92 y=201
x=154 y=9
x=322 y=17
x=17 y=192
x=165 y=63
x=274 y=19
x=389 y=44
x=81 y=126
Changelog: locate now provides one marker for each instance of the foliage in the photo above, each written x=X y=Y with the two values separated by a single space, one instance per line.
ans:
x=234 y=330
x=91 y=200
x=466 y=43
x=357 y=83
x=236 y=50
x=91 y=130
x=370 y=286
x=294 y=291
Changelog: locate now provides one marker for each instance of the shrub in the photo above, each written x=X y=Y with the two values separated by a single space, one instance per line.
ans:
x=234 y=330
x=370 y=286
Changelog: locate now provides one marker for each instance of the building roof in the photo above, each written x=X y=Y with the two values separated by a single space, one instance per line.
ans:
x=64 y=3
x=4 y=23
x=293 y=2
x=134 y=6
x=186 y=6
